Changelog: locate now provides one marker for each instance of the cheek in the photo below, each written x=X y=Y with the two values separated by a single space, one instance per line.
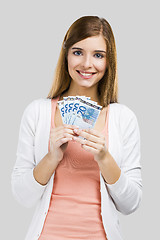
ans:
x=69 y=59
x=72 y=62
x=101 y=67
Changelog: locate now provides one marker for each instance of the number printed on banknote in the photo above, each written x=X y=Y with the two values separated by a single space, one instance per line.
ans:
x=79 y=111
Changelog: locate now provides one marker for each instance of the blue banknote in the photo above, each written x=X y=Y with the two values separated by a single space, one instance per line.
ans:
x=61 y=109
x=79 y=111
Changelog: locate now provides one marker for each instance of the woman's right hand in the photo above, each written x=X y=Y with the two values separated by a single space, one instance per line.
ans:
x=59 y=138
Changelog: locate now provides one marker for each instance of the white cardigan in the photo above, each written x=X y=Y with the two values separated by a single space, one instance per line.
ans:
x=124 y=146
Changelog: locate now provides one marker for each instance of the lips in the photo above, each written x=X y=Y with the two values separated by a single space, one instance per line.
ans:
x=85 y=74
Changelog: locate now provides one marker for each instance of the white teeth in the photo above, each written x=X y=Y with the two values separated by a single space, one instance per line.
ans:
x=86 y=74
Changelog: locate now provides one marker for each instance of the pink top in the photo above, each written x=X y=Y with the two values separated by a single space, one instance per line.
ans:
x=75 y=206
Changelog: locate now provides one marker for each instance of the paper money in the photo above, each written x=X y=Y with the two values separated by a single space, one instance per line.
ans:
x=61 y=108
x=79 y=111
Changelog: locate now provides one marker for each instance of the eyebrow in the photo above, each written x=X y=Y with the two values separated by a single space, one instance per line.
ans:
x=94 y=51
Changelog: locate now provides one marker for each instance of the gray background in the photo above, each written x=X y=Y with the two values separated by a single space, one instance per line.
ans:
x=31 y=36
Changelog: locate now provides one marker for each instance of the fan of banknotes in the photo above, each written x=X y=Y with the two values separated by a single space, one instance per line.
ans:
x=79 y=111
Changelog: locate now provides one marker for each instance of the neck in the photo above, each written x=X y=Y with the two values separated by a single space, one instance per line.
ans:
x=83 y=91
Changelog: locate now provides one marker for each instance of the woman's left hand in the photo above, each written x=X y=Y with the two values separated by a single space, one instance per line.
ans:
x=93 y=142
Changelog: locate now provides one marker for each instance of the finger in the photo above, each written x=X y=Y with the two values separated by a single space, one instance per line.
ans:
x=61 y=141
x=63 y=135
x=93 y=132
x=90 y=149
x=70 y=126
x=88 y=135
x=99 y=147
x=55 y=129
x=61 y=131
x=62 y=127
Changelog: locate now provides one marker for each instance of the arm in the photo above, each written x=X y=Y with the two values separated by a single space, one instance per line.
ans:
x=123 y=182
x=25 y=188
x=59 y=138
x=127 y=191
x=29 y=179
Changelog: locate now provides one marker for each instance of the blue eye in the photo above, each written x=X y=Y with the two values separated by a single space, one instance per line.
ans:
x=77 y=53
x=98 y=55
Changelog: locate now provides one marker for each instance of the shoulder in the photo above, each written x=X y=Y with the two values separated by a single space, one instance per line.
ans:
x=35 y=105
x=121 y=111
x=123 y=116
x=36 y=108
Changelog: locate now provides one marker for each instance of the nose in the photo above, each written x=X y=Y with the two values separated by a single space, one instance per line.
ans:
x=87 y=62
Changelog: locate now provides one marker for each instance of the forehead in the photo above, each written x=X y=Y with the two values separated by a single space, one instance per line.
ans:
x=92 y=43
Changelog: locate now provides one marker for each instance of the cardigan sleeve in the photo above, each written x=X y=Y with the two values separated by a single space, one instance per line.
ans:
x=127 y=191
x=26 y=190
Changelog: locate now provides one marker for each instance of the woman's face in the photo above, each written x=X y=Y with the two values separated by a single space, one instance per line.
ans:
x=87 y=61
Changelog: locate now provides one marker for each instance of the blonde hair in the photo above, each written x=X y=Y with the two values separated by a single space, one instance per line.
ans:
x=82 y=28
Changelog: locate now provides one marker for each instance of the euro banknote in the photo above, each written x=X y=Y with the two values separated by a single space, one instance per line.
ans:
x=80 y=111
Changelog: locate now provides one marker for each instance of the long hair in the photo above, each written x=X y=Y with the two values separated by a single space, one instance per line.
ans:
x=83 y=28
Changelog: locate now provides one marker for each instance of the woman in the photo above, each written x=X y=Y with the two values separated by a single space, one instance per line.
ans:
x=80 y=183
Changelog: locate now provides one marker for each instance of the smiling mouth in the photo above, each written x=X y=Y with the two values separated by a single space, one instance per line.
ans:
x=86 y=74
